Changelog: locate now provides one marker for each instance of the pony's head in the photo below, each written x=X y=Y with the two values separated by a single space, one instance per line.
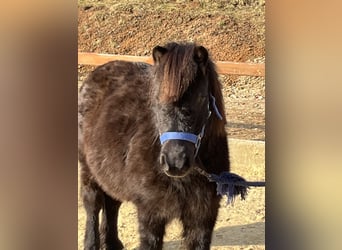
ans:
x=183 y=103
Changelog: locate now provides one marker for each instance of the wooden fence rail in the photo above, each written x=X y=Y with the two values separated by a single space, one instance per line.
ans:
x=232 y=68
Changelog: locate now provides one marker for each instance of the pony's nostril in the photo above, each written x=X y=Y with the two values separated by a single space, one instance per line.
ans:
x=163 y=161
x=186 y=162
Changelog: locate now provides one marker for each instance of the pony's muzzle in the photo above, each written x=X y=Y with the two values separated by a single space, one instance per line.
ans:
x=176 y=159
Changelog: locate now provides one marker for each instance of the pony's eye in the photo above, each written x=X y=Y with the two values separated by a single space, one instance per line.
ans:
x=186 y=111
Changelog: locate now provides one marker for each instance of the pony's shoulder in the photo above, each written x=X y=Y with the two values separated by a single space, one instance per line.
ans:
x=115 y=78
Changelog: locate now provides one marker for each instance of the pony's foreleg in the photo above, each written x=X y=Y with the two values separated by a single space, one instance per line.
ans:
x=92 y=201
x=151 y=230
x=198 y=228
x=108 y=228
x=197 y=237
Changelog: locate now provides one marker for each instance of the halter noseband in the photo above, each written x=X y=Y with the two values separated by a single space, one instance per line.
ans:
x=185 y=136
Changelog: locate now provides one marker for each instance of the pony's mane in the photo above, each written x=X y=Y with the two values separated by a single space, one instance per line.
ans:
x=179 y=71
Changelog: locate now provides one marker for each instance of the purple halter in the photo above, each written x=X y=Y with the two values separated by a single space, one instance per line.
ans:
x=195 y=139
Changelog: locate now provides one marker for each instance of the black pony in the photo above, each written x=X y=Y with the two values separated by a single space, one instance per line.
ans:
x=142 y=131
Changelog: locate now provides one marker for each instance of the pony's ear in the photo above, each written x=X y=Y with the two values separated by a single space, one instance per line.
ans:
x=158 y=53
x=200 y=55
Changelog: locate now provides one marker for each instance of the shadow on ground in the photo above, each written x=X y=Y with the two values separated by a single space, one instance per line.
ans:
x=250 y=234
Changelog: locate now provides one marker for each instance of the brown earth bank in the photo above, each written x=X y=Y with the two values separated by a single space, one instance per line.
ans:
x=232 y=30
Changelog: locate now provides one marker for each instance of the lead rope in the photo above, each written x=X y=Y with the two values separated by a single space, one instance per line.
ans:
x=230 y=184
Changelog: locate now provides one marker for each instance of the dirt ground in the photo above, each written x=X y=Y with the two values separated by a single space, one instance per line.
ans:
x=231 y=31
x=239 y=226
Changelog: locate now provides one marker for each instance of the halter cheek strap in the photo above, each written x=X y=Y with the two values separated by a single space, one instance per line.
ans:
x=213 y=100
x=195 y=139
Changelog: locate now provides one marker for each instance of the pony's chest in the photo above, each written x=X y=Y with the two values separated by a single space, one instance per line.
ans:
x=182 y=194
